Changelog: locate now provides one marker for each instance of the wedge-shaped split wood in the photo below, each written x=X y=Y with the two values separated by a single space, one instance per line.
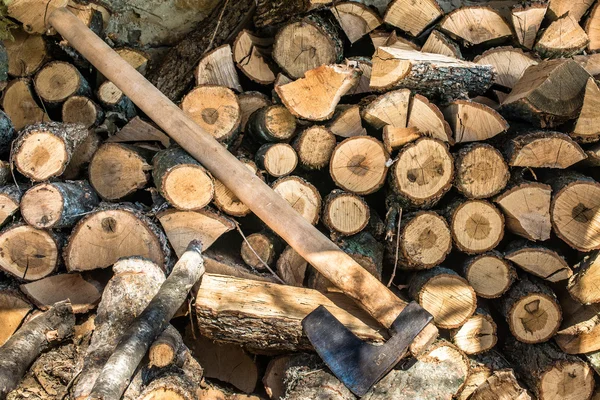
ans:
x=489 y=274
x=439 y=43
x=250 y=102
x=14 y=307
x=563 y=38
x=18 y=103
x=582 y=285
x=475 y=25
x=526 y=21
x=346 y=122
x=250 y=53
x=427 y=118
x=538 y=260
x=587 y=128
x=394 y=138
x=390 y=108
x=412 y=16
x=217 y=68
x=592 y=29
x=471 y=121
x=26 y=53
x=510 y=64
x=558 y=8
x=10 y=198
x=356 y=19
x=543 y=149
x=580 y=330
x=291 y=267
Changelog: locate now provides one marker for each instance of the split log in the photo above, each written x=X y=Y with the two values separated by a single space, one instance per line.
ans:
x=580 y=330
x=226 y=201
x=355 y=19
x=181 y=227
x=446 y=295
x=563 y=38
x=558 y=8
x=481 y=171
x=531 y=310
x=314 y=147
x=439 y=43
x=471 y=121
x=477 y=226
x=307 y=44
x=489 y=274
x=28 y=253
x=526 y=208
x=83 y=292
x=315 y=96
x=345 y=213
x=217 y=68
x=542 y=149
x=273 y=123
x=291 y=267
x=250 y=102
x=32 y=14
x=394 y=138
x=549 y=373
x=167 y=349
x=538 y=260
x=301 y=195
x=82 y=110
x=10 y=199
x=346 y=122
x=428 y=74
x=111 y=232
x=510 y=64
x=573 y=210
x=529 y=98
x=264 y=244
x=116 y=170
x=586 y=129
x=216 y=110
x=19 y=105
x=428 y=119
x=582 y=285
x=57 y=205
x=217 y=261
x=592 y=30
x=113 y=99
x=526 y=20
x=43 y=151
x=277 y=159
x=14 y=307
x=134 y=283
x=82 y=157
x=501 y=385
x=267 y=317
x=250 y=53
x=390 y=108
x=475 y=25
x=412 y=17
x=21 y=350
x=365 y=66
x=422 y=173
x=26 y=53
x=57 y=81
x=424 y=241
x=182 y=180
x=133 y=345
x=477 y=335
x=138 y=130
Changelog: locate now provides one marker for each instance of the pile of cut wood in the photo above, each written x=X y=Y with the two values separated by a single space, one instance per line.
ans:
x=451 y=149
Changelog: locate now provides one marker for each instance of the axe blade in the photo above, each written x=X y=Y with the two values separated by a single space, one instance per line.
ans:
x=357 y=364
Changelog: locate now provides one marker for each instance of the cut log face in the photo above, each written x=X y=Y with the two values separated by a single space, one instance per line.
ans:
x=301 y=195
x=388 y=109
x=13 y=310
x=359 y=165
x=83 y=293
x=475 y=25
x=574 y=214
x=471 y=121
x=439 y=43
x=273 y=123
x=477 y=335
x=394 y=138
x=314 y=146
x=181 y=227
x=531 y=310
x=57 y=81
x=365 y=66
x=228 y=202
x=587 y=128
x=26 y=53
x=215 y=109
x=510 y=64
x=539 y=261
x=412 y=17
x=345 y=213
x=563 y=38
x=113 y=234
x=583 y=285
x=592 y=29
x=261 y=244
x=425 y=240
x=481 y=171
x=422 y=172
x=447 y=296
x=117 y=170
x=291 y=267
x=249 y=54
x=10 y=198
x=277 y=159
x=28 y=253
x=315 y=96
x=526 y=208
x=217 y=68
x=526 y=20
x=356 y=19
x=19 y=105
x=81 y=110
x=477 y=226
x=304 y=45
x=503 y=383
x=428 y=119
x=558 y=8
x=489 y=274
x=579 y=331
x=543 y=149
x=346 y=122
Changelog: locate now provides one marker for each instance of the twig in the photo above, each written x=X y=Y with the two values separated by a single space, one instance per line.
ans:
x=237 y=226
x=397 y=247
x=212 y=39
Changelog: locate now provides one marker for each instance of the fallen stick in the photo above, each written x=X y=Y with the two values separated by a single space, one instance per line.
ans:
x=27 y=343
x=120 y=367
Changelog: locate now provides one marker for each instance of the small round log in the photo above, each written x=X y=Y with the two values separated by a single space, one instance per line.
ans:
x=301 y=195
x=477 y=226
x=57 y=81
x=272 y=123
x=82 y=110
x=315 y=146
x=345 y=213
x=489 y=274
x=266 y=245
x=481 y=171
x=228 y=202
x=278 y=159
x=477 y=335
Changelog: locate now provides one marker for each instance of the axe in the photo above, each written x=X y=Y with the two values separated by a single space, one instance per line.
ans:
x=359 y=365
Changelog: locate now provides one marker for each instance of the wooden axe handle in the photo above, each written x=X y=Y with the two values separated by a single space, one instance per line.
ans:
x=271 y=208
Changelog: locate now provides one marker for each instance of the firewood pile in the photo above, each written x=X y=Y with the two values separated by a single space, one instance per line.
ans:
x=450 y=147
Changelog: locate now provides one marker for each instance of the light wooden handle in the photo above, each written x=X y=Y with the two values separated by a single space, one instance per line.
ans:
x=272 y=209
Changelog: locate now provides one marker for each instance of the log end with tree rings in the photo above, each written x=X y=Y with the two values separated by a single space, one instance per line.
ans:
x=273 y=123
x=314 y=146
x=81 y=110
x=345 y=213
x=278 y=159
x=477 y=226
x=58 y=80
x=422 y=173
x=359 y=165
x=228 y=202
x=489 y=274
x=481 y=171
x=477 y=335
x=26 y=53
x=425 y=240
x=264 y=245
x=215 y=109
x=301 y=195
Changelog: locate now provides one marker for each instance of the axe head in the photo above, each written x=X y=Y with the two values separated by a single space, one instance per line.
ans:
x=357 y=364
